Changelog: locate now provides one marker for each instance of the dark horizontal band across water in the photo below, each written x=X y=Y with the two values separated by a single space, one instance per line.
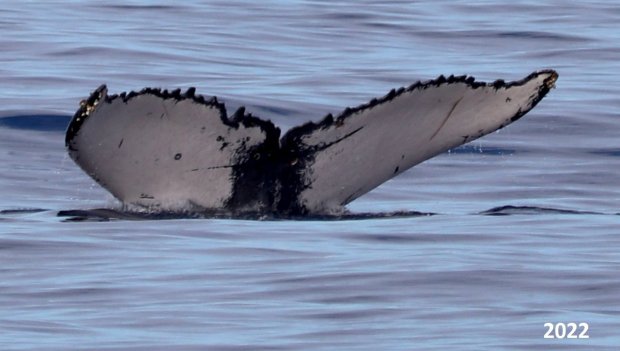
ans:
x=38 y=122
x=111 y=214
x=107 y=214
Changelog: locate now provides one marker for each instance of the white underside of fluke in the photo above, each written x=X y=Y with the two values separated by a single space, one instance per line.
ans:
x=169 y=150
x=393 y=136
x=161 y=152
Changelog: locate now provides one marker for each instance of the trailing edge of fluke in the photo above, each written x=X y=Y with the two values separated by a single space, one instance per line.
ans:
x=172 y=150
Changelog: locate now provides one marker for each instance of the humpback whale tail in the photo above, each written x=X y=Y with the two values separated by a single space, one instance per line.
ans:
x=167 y=149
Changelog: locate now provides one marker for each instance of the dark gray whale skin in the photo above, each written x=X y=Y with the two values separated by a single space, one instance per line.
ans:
x=172 y=150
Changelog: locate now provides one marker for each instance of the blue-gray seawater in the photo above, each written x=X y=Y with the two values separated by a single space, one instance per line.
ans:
x=463 y=279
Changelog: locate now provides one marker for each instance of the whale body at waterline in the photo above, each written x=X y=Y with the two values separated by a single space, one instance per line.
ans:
x=170 y=150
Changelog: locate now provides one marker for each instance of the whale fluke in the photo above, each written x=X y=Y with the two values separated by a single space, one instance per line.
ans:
x=169 y=150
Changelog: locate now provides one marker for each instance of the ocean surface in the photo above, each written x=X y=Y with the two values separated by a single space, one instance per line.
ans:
x=525 y=228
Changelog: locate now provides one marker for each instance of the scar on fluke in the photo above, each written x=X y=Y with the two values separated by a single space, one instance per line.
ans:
x=447 y=117
x=240 y=163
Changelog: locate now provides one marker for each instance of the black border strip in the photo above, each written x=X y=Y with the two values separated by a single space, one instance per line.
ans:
x=293 y=135
x=236 y=119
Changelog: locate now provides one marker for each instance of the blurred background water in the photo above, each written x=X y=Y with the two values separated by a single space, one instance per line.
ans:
x=461 y=279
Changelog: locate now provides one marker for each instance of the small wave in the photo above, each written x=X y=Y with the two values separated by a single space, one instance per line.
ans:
x=128 y=7
x=615 y=152
x=20 y=211
x=550 y=36
x=42 y=122
x=104 y=214
x=11 y=215
x=532 y=210
x=483 y=150
x=108 y=214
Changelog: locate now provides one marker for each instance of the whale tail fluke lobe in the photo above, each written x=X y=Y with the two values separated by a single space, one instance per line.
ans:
x=170 y=150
